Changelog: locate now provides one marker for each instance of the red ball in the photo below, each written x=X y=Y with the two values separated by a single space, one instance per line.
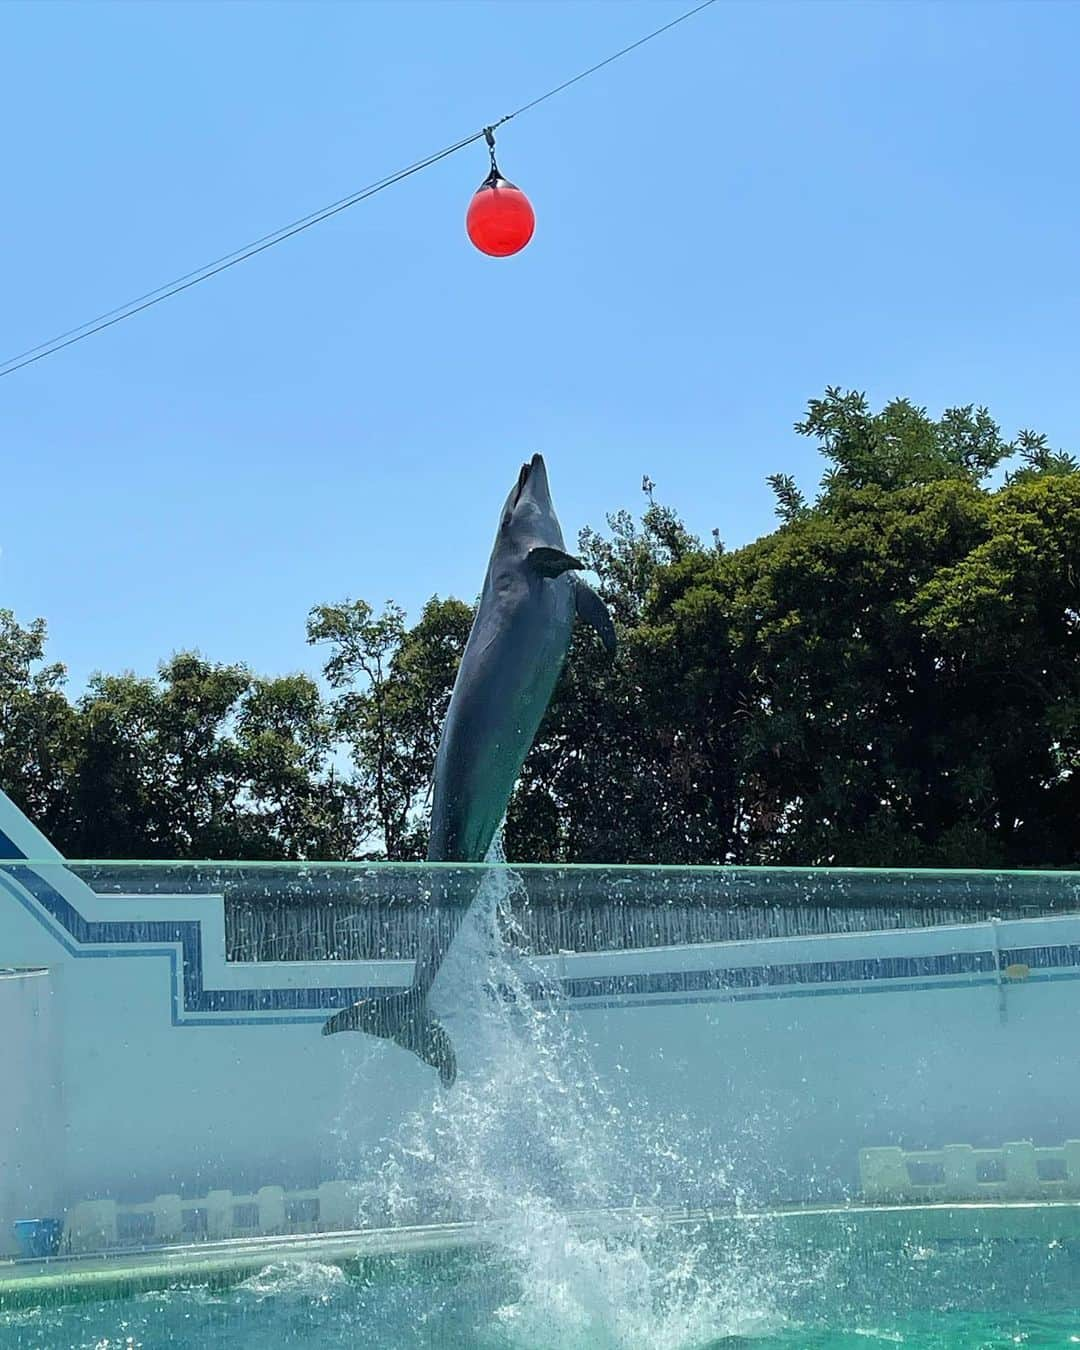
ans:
x=500 y=219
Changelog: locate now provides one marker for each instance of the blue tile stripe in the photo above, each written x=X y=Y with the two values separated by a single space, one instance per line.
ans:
x=8 y=849
x=817 y=991
x=189 y=995
x=178 y=942
x=132 y=939
x=787 y=974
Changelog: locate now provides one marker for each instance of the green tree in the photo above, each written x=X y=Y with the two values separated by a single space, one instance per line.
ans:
x=902 y=656
x=1004 y=621
x=202 y=761
x=619 y=769
x=285 y=743
x=35 y=722
x=392 y=687
x=888 y=678
x=900 y=446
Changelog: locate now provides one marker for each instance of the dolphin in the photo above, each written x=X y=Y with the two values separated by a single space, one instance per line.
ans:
x=508 y=672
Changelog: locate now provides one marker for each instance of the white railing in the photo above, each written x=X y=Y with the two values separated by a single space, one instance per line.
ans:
x=95 y=1225
x=1017 y=1171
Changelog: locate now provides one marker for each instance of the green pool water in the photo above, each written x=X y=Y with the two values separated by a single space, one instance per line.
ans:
x=187 y=1323
x=771 y=1288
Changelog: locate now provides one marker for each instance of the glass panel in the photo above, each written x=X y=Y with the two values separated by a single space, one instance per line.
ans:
x=737 y=1056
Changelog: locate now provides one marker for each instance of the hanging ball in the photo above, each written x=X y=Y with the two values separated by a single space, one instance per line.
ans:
x=500 y=219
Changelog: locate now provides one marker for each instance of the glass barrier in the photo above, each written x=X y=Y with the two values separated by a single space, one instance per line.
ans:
x=531 y=1049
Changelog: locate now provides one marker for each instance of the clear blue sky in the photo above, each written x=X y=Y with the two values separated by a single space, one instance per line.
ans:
x=771 y=198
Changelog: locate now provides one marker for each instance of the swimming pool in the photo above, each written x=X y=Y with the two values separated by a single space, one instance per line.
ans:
x=693 y=1104
x=776 y=1285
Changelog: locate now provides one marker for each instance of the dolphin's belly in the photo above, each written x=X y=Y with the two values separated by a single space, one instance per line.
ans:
x=502 y=691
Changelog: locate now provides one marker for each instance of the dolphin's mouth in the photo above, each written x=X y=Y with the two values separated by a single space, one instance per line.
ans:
x=523 y=476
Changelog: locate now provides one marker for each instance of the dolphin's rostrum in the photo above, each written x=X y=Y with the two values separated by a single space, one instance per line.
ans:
x=508 y=672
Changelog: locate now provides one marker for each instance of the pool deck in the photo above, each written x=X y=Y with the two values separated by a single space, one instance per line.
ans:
x=121 y=1273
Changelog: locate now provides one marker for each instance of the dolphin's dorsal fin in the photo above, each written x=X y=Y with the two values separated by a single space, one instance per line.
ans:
x=553 y=562
x=592 y=610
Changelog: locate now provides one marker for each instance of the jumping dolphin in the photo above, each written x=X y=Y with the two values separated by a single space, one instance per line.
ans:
x=516 y=649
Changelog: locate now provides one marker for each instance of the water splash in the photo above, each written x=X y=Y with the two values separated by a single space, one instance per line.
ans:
x=530 y=1141
x=309 y=1280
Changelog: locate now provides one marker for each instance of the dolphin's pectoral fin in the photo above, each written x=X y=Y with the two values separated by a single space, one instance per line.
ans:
x=553 y=562
x=592 y=610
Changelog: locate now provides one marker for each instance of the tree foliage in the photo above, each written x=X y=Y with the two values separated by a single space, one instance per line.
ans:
x=891 y=677
x=391 y=689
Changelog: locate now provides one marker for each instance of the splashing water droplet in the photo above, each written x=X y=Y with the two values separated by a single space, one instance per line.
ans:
x=532 y=1143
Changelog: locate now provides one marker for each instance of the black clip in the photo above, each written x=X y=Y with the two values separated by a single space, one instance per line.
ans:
x=494 y=176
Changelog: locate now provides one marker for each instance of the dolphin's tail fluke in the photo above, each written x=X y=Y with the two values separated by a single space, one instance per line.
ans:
x=404 y=1019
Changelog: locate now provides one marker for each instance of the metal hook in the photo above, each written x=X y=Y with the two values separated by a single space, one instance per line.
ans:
x=489 y=136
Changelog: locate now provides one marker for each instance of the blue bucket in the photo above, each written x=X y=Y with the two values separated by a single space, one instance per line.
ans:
x=38 y=1237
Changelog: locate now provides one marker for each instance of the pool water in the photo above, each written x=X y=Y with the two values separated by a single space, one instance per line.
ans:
x=975 y=1296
